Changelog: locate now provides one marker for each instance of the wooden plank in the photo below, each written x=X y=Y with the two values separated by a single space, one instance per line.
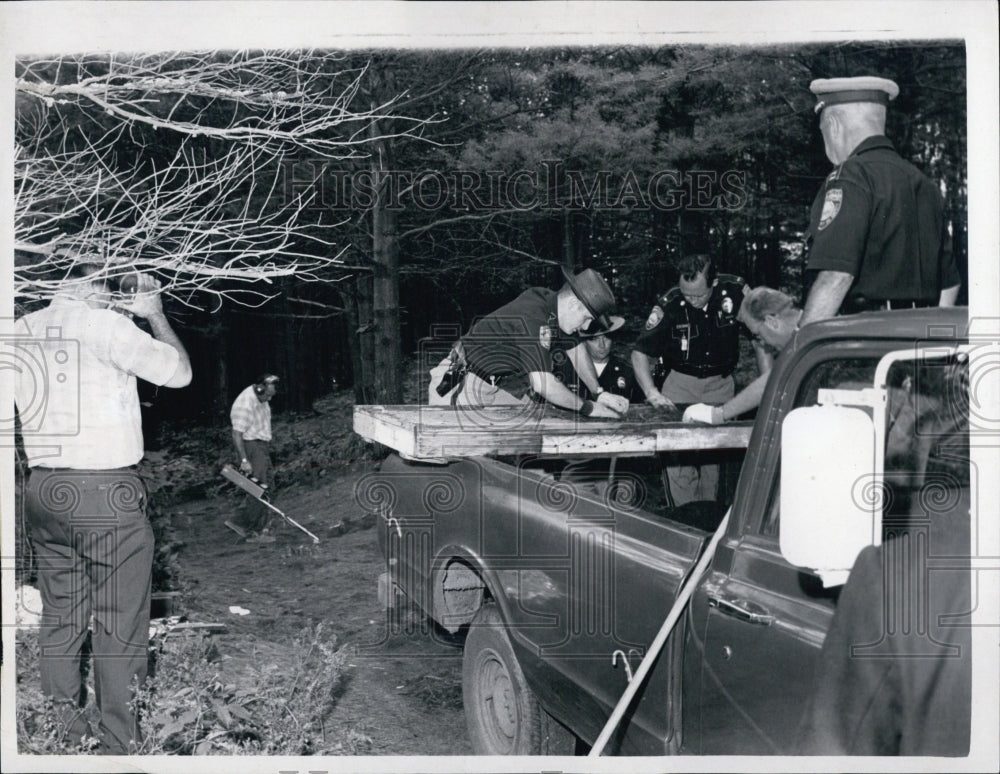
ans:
x=690 y=437
x=424 y=432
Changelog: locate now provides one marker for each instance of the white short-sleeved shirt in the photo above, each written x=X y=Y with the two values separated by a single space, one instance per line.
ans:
x=75 y=384
x=251 y=416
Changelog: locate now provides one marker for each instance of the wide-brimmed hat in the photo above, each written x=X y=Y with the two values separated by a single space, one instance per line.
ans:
x=594 y=293
x=595 y=330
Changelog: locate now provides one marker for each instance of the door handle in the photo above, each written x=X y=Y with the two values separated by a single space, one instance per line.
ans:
x=742 y=609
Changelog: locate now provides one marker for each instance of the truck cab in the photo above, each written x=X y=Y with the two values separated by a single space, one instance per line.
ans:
x=554 y=550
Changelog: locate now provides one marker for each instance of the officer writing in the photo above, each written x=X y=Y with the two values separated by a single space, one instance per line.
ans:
x=614 y=374
x=695 y=328
x=876 y=226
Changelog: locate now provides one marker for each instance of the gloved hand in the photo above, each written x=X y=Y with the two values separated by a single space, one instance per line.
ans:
x=245 y=467
x=702 y=412
x=617 y=403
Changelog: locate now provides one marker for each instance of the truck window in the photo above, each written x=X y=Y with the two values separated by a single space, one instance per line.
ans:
x=926 y=431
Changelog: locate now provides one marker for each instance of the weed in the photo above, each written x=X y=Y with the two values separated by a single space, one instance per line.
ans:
x=188 y=706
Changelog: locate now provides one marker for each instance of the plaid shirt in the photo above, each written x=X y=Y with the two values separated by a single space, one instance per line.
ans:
x=75 y=384
x=251 y=416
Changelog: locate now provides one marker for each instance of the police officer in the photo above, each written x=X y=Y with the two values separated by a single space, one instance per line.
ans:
x=876 y=227
x=508 y=353
x=694 y=327
x=614 y=374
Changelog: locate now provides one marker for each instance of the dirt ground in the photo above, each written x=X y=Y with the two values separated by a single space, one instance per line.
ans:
x=402 y=690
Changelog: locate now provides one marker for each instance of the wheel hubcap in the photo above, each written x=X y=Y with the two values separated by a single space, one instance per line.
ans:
x=499 y=701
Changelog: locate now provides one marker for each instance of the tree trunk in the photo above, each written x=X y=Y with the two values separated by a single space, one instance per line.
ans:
x=388 y=351
x=218 y=331
x=568 y=257
x=363 y=333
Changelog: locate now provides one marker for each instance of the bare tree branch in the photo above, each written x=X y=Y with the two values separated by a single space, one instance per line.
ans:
x=172 y=164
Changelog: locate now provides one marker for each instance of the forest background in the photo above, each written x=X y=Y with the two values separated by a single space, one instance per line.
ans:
x=433 y=187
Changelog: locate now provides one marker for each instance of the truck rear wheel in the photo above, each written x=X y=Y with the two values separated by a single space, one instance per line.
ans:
x=502 y=714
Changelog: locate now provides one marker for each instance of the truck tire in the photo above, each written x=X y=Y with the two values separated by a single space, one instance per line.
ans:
x=501 y=711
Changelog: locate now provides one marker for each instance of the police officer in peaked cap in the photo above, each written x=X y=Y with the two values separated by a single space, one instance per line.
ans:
x=876 y=227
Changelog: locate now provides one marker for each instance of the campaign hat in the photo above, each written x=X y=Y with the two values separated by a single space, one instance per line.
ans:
x=863 y=88
x=594 y=330
x=594 y=293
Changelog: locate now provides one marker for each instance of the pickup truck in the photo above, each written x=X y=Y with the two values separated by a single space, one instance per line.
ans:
x=549 y=542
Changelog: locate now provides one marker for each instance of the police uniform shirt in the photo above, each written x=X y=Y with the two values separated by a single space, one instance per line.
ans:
x=618 y=378
x=698 y=342
x=878 y=218
x=516 y=340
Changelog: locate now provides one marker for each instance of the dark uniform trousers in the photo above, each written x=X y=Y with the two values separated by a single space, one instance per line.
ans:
x=94 y=549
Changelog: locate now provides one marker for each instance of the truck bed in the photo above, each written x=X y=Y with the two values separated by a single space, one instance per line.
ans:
x=428 y=432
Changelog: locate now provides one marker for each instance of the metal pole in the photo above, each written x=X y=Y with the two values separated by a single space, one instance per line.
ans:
x=661 y=637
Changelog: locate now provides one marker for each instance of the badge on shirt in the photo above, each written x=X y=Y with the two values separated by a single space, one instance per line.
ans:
x=654 y=317
x=831 y=206
x=621 y=382
x=545 y=336
x=727 y=305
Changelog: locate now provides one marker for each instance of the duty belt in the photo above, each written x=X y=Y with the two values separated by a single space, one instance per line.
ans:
x=862 y=304
x=495 y=380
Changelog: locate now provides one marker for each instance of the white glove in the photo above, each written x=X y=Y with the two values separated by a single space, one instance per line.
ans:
x=702 y=412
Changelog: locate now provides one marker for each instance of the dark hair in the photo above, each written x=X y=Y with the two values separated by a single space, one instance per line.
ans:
x=693 y=264
x=263 y=380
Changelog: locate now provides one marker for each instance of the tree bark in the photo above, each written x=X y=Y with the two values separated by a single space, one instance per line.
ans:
x=388 y=352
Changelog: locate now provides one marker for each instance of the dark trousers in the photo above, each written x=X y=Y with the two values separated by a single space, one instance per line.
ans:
x=94 y=548
x=255 y=516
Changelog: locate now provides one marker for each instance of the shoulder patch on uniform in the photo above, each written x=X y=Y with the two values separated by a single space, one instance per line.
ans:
x=831 y=206
x=654 y=317
x=545 y=336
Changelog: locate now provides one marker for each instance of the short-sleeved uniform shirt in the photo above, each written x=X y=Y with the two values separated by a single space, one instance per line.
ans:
x=517 y=339
x=618 y=378
x=75 y=384
x=880 y=219
x=698 y=342
x=251 y=416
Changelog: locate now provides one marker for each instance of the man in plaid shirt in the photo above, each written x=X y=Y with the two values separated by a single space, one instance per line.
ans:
x=250 y=417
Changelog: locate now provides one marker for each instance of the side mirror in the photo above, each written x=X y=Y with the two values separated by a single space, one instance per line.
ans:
x=829 y=498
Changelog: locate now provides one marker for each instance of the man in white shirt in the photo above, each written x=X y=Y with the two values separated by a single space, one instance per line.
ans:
x=251 y=420
x=75 y=389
